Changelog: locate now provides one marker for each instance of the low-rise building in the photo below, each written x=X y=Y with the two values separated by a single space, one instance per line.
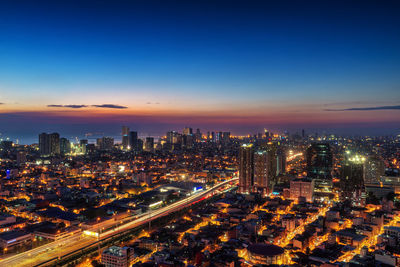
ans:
x=13 y=238
x=117 y=257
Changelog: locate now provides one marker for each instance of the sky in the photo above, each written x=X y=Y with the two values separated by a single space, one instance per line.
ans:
x=76 y=67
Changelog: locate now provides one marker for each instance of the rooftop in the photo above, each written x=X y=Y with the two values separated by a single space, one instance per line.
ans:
x=265 y=249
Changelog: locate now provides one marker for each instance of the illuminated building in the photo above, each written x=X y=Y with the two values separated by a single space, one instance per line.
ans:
x=267 y=133
x=352 y=179
x=174 y=141
x=246 y=168
x=125 y=137
x=198 y=135
x=105 y=143
x=133 y=141
x=187 y=137
x=187 y=131
x=149 y=144
x=49 y=144
x=226 y=137
x=117 y=257
x=319 y=166
x=374 y=169
x=65 y=146
x=264 y=170
x=280 y=161
x=14 y=238
x=302 y=188
x=267 y=254
x=21 y=157
x=187 y=141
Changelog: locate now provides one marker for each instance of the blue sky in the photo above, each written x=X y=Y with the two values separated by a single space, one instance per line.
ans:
x=278 y=64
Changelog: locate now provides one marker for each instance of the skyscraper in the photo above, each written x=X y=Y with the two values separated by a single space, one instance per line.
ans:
x=319 y=166
x=226 y=137
x=174 y=141
x=125 y=137
x=352 y=179
x=187 y=131
x=65 y=146
x=49 y=144
x=374 y=169
x=133 y=141
x=149 y=144
x=187 y=138
x=246 y=168
x=198 y=135
x=280 y=161
x=187 y=141
x=264 y=171
x=105 y=143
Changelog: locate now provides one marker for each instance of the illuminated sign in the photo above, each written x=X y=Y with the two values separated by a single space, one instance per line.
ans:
x=197 y=189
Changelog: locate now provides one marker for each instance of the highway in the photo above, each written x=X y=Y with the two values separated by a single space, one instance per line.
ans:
x=75 y=242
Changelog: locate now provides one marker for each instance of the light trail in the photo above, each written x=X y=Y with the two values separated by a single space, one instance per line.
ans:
x=61 y=247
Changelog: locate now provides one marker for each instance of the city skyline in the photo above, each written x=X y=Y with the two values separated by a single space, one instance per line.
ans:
x=199 y=133
x=93 y=66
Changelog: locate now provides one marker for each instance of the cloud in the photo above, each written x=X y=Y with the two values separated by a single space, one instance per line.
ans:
x=85 y=106
x=109 y=106
x=367 y=108
x=153 y=103
x=1 y=103
x=67 y=106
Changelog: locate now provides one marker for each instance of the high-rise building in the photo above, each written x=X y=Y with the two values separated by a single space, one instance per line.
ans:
x=374 y=169
x=55 y=144
x=149 y=144
x=125 y=137
x=21 y=157
x=246 y=168
x=133 y=141
x=65 y=146
x=319 y=166
x=226 y=138
x=264 y=170
x=125 y=130
x=187 y=141
x=49 y=144
x=83 y=147
x=352 y=179
x=83 y=142
x=139 y=145
x=198 y=135
x=187 y=131
x=187 y=138
x=258 y=169
x=280 y=161
x=266 y=133
x=105 y=143
x=213 y=137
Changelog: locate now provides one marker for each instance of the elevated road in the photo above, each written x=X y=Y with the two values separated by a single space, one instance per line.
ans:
x=67 y=245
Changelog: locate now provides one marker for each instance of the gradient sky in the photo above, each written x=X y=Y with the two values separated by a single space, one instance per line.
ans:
x=223 y=65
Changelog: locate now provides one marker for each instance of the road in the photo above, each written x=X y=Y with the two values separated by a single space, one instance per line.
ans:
x=66 y=245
